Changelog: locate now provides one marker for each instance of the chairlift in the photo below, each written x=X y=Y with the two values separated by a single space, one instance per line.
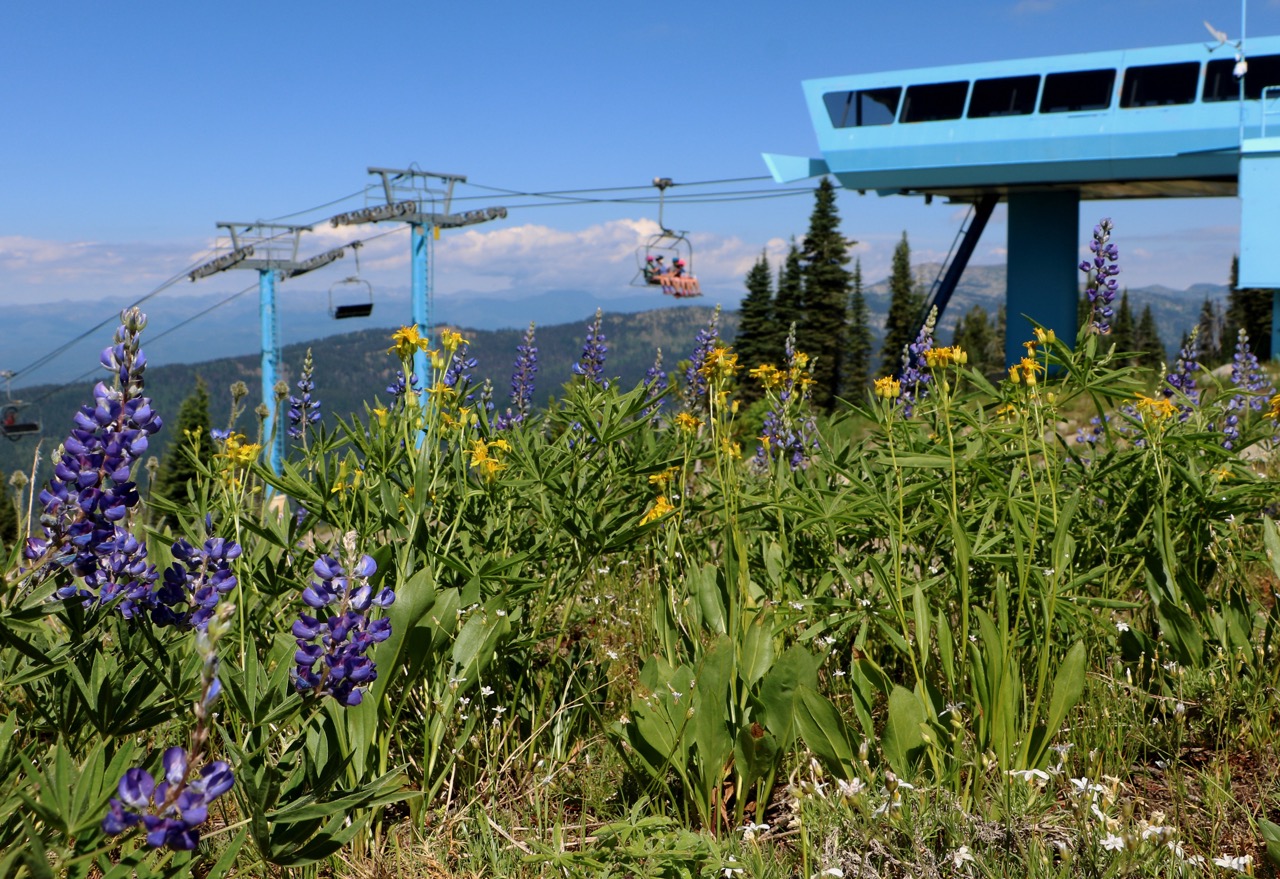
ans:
x=665 y=260
x=355 y=293
x=12 y=425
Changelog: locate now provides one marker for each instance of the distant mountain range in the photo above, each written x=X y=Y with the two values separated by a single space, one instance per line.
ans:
x=231 y=329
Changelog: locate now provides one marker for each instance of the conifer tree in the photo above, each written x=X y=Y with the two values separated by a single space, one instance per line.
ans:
x=978 y=337
x=826 y=296
x=1250 y=310
x=754 y=342
x=9 y=520
x=1123 y=328
x=788 y=305
x=1209 y=334
x=178 y=468
x=1147 y=342
x=857 y=370
x=904 y=310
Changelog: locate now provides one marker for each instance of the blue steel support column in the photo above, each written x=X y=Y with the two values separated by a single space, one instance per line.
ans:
x=1275 y=324
x=270 y=364
x=421 y=303
x=1043 y=278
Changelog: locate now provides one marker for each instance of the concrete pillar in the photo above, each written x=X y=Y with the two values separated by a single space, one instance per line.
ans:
x=1043 y=275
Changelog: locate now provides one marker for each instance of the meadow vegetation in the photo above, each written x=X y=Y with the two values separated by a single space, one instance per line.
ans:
x=964 y=627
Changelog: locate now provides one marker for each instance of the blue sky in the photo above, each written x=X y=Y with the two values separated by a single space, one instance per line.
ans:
x=132 y=128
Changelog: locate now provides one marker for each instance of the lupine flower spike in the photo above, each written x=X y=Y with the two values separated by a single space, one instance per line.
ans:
x=655 y=380
x=303 y=410
x=915 y=376
x=1100 y=278
x=591 y=364
x=695 y=382
x=86 y=504
x=331 y=658
x=522 y=376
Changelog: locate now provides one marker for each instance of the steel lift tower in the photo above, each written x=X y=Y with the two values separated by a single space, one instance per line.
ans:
x=407 y=197
x=272 y=250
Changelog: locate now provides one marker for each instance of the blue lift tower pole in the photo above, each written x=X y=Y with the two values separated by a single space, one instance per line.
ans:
x=409 y=198
x=272 y=250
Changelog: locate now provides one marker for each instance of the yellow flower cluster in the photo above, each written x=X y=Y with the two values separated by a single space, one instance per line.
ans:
x=663 y=478
x=1025 y=370
x=451 y=340
x=406 y=341
x=720 y=363
x=1045 y=337
x=888 y=388
x=659 y=509
x=238 y=453
x=1158 y=408
x=688 y=422
x=349 y=476
x=952 y=356
x=483 y=458
x=1274 y=412
x=768 y=375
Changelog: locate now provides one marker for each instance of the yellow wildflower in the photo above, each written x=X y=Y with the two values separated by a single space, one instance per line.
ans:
x=799 y=360
x=768 y=375
x=380 y=414
x=487 y=465
x=1159 y=408
x=952 y=356
x=451 y=340
x=438 y=360
x=720 y=363
x=407 y=340
x=238 y=453
x=1008 y=412
x=1274 y=412
x=346 y=468
x=1223 y=473
x=688 y=422
x=1025 y=371
x=1045 y=337
x=730 y=448
x=888 y=388
x=1015 y=373
x=442 y=390
x=659 y=509
x=663 y=479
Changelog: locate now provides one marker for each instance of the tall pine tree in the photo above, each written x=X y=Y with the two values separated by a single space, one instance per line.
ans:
x=788 y=305
x=1123 y=328
x=904 y=310
x=978 y=337
x=826 y=296
x=857 y=359
x=754 y=342
x=1146 y=340
x=178 y=467
x=1249 y=310
x=1209 y=334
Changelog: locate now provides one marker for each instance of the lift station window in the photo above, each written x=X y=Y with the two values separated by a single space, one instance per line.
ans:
x=1220 y=83
x=1077 y=91
x=853 y=109
x=1006 y=96
x=930 y=103
x=1159 y=85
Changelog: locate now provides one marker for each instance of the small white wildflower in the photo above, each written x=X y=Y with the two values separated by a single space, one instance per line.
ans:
x=1122 y=626
x=1113 y=843
x=751 y=830
x=865 y=602
x=486 y=690
x=831 y=871
x=499 y=709
x=502 y=613
x=961 y=856
x=612 y=654
x=849 y=789
x=1238 y=863
x=1049 y=572
x=838 y=673
x=1062 y=749
x=795 y=605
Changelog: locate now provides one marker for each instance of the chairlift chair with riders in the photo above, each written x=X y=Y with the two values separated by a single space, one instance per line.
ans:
x=665 y=260
x=352 y=296
x=12 y=424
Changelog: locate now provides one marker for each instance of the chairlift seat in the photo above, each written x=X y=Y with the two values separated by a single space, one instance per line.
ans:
x=353 y=286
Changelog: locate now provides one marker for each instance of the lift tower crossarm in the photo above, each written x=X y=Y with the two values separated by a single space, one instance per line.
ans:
x=406 y=196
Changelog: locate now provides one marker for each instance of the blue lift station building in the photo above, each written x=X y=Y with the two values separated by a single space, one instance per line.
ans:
x=1043 y=134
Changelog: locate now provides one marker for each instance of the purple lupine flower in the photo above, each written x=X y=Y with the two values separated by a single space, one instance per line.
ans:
x=331 y=658
x=197 y=579
x=522 y=376
x=172 y=810
x=1253 y=389
x=1180 y=385
x=916 y=376
x=655 y=380
x=456 y=374
x=594 y=349
x=303 y=410
x=400 y=386
x=695 y=383
x=86 y=503
x=1100 y=277
x=783 y=434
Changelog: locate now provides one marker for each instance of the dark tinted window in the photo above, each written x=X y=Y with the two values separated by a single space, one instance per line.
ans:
x=1007 y=96
x=1159 y=85
x=1221 y=85
x=1077 y=91
x=865 y=107
x=927 y=103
